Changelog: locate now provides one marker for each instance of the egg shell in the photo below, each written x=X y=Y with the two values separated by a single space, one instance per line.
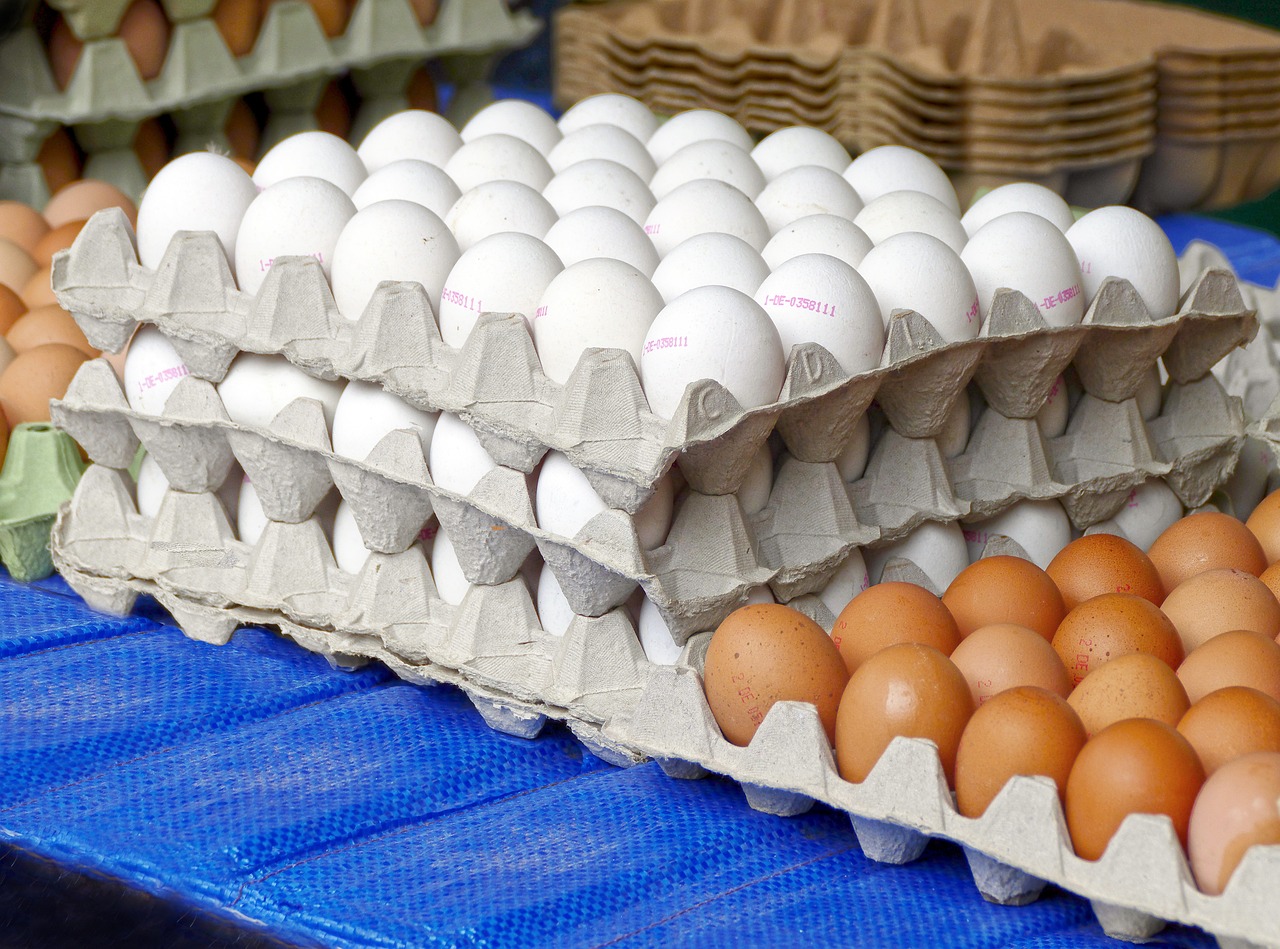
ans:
x=409 y=180
x=907 y=690
x=1235 y=810
x=890 y=613
x=1005 y=656
x=11 y=308
x=603 y=141
x=1112 y=625
x=653 y=521
x=655 y=637
x=47 y=324
x=22 y=225
x=312 y=154
x=413 y=134
x=765 y=653
x=54 y=240
x=1136 y=766
x=818 y=234
x=1218 y=601
x=446 y=571
x=35 y=377
x=59 y=159
x=554 y=612
x=151 y=145
x=296 y=217
x=238 y=21
x=1151 y=508
x=710 y=158
x=913 y=271
x=710 y=260
x=257 y=388
x=38 y=290
x=457 y=460
x=598 y=181
x=889 y=168
x=1237 y=657
x=610 y=108
x=1264 y=524
x=498 y=157
x=349 y=551
x=1122 y=242
x=80 y=200
x=1024 y=252
x=16 y=266
x=900 y=212
x=1022 y=731
x=1271 y=577
x=1004 y=589
x=243 y=134
x=699 y=207
x=852 y=460
x=797 y=145
x=1205 y=541
x=366 y=413
x=502 y=273
x=515 y=117
x=1104 y=563
x=1137 y=685
x=1019 y=196
x=753 y=494
x=1052 y=417
x=935 y=547
x=152 y=370
x=847 y=583
x=695 y=125
x=564 y=500
x=597 y=231
x=1041 y=528
x=1231 y=722
x=498 y=206
x=804 y=191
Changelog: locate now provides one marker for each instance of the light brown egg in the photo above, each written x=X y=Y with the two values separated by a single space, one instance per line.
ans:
x=151 y=145
x=11 y=308
x=1134 y=686
x=35 y=377
x=1004 y=656
x=1229 y=723
x=1236 y=657
x=16 y=266
x=1218 y=601
x=421 y=92
x=332 y=15
x=38 y=290
x=64 y=52
x=1112 y=625
x=889 y=613
x=60 y=160
x=767 y=653
x=1264 y=524
x=905 y=690
x=425 y=11
x=238 y=21
x=80 y=200
x=47 y=324
x=1104 y=563
x=333 y=111
x=243 y=133
x=1023 y=730
x=1136 y=766
x=59 y=238
x=1004 y=590
x=1236 y=810
x=22 y=224
x=1271 y=577
x=145 y=32
x=1201 y=542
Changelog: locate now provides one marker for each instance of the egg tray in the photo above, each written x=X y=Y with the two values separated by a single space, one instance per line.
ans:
x=41 y=469
x=600 y=417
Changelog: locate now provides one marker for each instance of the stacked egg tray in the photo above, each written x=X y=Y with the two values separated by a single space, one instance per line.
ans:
x=292 y=60
x=994 y=92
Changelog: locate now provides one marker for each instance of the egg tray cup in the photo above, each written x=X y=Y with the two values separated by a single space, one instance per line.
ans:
x=41 y=469
x=600 y=418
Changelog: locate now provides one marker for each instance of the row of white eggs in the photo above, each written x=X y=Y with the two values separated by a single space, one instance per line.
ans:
x=820 y=256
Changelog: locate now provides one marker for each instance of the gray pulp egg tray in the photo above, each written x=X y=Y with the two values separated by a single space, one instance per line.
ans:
x=600 y=417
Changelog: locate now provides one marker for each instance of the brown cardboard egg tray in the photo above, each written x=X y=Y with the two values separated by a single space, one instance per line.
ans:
x=600 y=418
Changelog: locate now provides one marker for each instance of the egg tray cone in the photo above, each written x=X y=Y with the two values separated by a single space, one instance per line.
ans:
x=600 y=418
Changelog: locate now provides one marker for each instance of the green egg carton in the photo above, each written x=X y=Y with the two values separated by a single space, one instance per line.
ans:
x=41 y=470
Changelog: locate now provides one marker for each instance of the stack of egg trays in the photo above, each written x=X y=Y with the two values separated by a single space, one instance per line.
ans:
x=201 y=78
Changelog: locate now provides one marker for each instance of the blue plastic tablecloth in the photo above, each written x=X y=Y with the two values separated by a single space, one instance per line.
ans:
x=256 y=790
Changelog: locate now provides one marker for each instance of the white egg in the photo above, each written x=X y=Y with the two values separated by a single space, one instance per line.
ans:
x=152 y=370
x=554 y=612
x=653 y=520
x=498 y=157
x=1018 y=196
x=692 y=126
x=515 y=117
x=603 y=141
x=712 y=333
x=760 y=594
x=846 y=583
x=1052 y=417
x=712 y=158
x=1024 y=252
x=955 y=428
x=201 y=191
x=655 y=636
x=251 y=521
x=413 y=134
x=506 y=272
x=1121 y=242
x=257 y=387
x=1041 y=528
x=1150 y=394
x=315 y=155
x=913 y=271
x=498 y=206
x=349 y=551
x=852 y=460
x=297 y=217
x=564 y=500
x=602 y=232
x=1149 y=511
x=594 y=303
x=804 y=191
x=899 y=212
x=897 y=168
x=935 y=547
x=819 y=299
x=152 y=484
x=366 y=413
x=409 y=180
x=799 y=145
x=818 y=234
x=701 y=207
x=457 y=460
x=390 y=240
x=710 y=260
x=610 y=108
x=451 y=582
x=598 y=181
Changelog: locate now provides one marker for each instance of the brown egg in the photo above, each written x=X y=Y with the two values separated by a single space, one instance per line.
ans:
x=889 y=613
x=1264 y=524
x=1271 y=577
x=1004 y=590
x=22 y=225
x=1237 y=657
x=1004 y=656
x=1134 y=686
x=1136 y=766
x=333 y=111
x=909 y=690
x=60 y=160
x=421 y=92
x=151 y=145
x=59 y=238
x=1023 y=730
x=1112 y=625
x=38 y=290
x=64 y=52
x=238 y=21
x=11 y=308
x=47 y=324
x=1219 y=601
x=1206 y=541
x=1236 y=810
x=243 y=133
x=16 y=266
x=332 y=15
x=145 y=32
x=1231 y=722
x=424 y=10
x=80 y=200
x=766 y=653
x=35 y=377
x=1104 y=563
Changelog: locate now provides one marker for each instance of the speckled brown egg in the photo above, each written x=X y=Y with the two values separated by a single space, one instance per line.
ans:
x=1134 y=686
x=1218 y=601
x=1231 y=722
x=1236 y=657
x=1023 y=730
x=1112 y=625
x=889 y=613
x=1235 y=811
x=767 y=653
x=81 y=199
x=59 y=238
x=1104 y=563
x=35 y=377
x=1004 y=656
x=1004 y=590
x=22 y=224
x=47 y=324
x=906 y=690
x=1202 y=542
x=1264 y=524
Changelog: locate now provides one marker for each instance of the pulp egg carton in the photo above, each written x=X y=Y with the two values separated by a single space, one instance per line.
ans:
x=600 y=418
x=106 y=98
x=41 y=469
